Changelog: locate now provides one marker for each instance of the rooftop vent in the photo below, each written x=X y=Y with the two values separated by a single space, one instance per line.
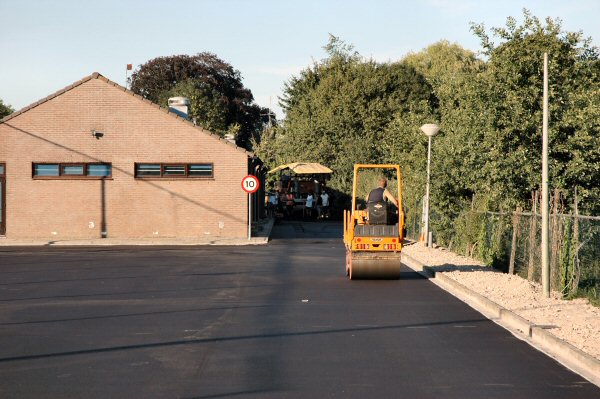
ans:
x=179 y=106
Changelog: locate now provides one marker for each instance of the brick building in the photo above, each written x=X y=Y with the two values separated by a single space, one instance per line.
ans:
x=95 y=160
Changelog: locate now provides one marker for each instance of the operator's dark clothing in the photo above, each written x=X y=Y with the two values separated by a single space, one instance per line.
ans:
x=376 y=195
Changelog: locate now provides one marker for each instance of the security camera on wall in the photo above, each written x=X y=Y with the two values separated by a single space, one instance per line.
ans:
x=97 y=134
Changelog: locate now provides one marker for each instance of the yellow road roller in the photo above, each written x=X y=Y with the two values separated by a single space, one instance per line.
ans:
x=373 y=235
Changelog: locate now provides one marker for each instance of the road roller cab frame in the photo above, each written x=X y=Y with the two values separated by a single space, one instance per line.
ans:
x=373 y=247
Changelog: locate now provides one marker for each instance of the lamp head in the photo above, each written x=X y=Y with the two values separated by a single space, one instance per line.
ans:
x=430 y=129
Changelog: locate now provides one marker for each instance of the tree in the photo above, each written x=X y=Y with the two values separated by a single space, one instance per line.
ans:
x=5 y=110
x=512 y=87
x=451 y=71
x=445 y=66
x=339 y=108
x=583 y=166
x=218 y=99
x=490 y=113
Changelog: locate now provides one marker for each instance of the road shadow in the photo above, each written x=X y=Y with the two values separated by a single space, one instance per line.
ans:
x=448 y=267
x=318 y=231
x=211 y=340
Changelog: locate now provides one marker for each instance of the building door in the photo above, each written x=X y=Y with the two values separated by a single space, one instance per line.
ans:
x=2 y=199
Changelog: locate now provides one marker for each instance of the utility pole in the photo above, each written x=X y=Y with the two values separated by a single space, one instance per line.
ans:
x=270 y=124
x=269 y=114
x=545 y=216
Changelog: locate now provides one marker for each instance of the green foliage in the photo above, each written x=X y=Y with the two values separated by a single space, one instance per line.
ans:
x=491 y=115
x=453 y=74
x=207 y=106
x=511 y=86
x=218 y=99
x=467 y=232
x=5 y=110
x=338 y=111
x=495 y=242
x=345 y=110
x=566 y=263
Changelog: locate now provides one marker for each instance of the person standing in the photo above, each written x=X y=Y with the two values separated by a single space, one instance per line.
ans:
x=324 y=211
x=272 y=204
x=289 y=205
x=308 y=207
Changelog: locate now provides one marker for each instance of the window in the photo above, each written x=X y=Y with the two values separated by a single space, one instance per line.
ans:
x=99 y=170
x=147 y=170
x=44 y=170
x=201 y=170
x=72 y=170
x=173 y=170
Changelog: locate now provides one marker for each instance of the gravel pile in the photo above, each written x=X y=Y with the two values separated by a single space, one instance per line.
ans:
x=575 y=321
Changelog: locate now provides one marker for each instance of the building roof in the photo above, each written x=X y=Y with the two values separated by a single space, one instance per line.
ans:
x=303 y=168
x=96 y=75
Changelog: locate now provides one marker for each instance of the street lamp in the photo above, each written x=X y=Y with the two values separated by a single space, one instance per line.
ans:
x=430 y=130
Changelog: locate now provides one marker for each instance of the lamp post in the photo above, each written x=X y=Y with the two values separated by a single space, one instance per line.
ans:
x=430 y=130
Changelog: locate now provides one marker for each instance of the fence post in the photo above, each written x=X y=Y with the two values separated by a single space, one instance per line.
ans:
x=556 y=232
x=513 y=247
x=576 y=269
x=532 y=236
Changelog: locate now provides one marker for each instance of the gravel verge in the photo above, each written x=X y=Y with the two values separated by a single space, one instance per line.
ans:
x=574 y=321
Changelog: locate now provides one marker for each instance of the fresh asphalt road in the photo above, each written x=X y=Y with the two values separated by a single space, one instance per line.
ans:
x=273 y=321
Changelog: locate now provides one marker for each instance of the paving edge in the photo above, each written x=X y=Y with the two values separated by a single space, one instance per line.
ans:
x=565 y=353
x=261 y=239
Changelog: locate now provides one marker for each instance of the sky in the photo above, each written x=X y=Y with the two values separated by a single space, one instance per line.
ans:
x=46 y=45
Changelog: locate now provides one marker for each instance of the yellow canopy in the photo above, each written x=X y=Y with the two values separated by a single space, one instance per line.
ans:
x=303 y=168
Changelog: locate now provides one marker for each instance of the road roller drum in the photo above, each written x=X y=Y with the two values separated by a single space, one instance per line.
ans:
x=369 y=265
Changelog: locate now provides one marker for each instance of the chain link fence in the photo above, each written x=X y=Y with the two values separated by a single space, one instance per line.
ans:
x=413 y=223
x=574 y=243
x=511 y=242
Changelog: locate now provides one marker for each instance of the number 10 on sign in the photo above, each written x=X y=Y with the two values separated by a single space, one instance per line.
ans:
x=250 y=184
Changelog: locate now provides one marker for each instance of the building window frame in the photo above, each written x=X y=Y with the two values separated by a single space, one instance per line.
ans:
x=63 y=171
x=172 y=170
x=66 y=169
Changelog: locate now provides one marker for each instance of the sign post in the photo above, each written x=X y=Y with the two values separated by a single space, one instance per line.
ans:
x=250 y=184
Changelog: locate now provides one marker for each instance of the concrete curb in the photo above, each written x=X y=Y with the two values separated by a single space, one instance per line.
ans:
x=568 y=355
x=261 y=238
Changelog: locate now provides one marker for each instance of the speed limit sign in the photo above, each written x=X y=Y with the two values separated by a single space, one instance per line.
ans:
x=250 y=184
